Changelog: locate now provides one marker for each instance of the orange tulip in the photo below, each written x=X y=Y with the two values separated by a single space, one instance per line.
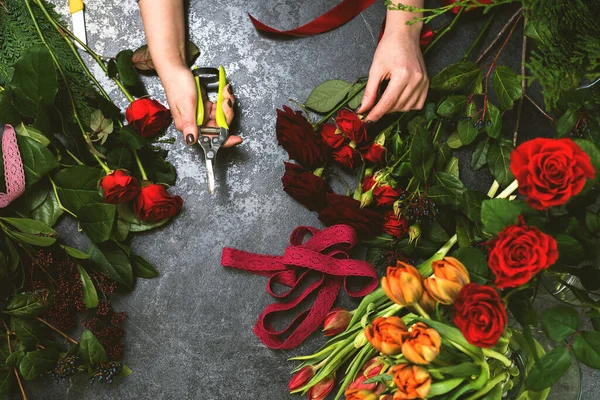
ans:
x=449 y=276
x=403 y=284
x=361 y=394
x=386 y=334
x=422 y=344
x=427 y=302
x=412 y=381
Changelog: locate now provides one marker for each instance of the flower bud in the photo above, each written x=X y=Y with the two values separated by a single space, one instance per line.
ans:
x=366 y=198
x=449 y=277
x=386 y=397
x=360 y=340
x=322 y=388
x=360 y=394
x=301 y=378
x=403 y=284
x=336 y=321
x=368 y=172
x=386 y=334
x=427 y=302
x=414 y=233
x=370 y=370
x=412 y=381
x=422 y=344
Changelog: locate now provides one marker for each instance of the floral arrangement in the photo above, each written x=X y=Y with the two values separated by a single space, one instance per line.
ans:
x=466 y=322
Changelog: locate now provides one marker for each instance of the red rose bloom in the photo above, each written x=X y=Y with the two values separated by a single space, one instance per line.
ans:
x=480 y=315
x=148 y=117
x=375 y=154
x=295 y=134
x=385 y=195
x=330 y=137
x=550 y=171
x=397 y=227
x=119 y=187
x=519 y=252
x=345 y=156
x=345 y=210
x=351 y=126
x=455 y=10
x=154 y=203
x=305 y=187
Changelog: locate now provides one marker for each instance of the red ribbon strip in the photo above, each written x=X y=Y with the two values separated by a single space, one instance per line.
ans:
x=327 y=253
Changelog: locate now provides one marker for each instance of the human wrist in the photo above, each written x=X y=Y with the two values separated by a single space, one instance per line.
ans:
x=401 y=23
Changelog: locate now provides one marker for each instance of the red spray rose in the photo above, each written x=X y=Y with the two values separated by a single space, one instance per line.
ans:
x=480 y=315
x=395 y=226
x=148 y=117
x=375 y=154
x=385 y=195
x=154 y=203
x=519 y=252
x=119 y=187
x=351 y=126
x=330 y=137
x=346 y=156
x=345 y=210
x=295 y=134
x=305 y=187
x=550 y=171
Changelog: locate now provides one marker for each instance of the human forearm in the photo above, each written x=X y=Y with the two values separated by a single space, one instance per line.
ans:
x=396 y=24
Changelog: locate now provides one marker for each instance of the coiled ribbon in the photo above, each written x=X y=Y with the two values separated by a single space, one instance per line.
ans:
x=14 y=175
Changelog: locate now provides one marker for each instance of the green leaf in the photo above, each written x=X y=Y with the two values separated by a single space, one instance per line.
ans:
x=422 y=154
x=507 y=85
x=587 y=348
x=497 y=214
x=553 y=365
x=8 y=112
x=567 y=121
x=357 y=99
x=592 y=151
x=126 y=214
x=570 y=251
x=27 y=304
x=447 y=189
x=78 y=186
x=15 y=358
x=32 y=133
x=454 y=141
x=493 y=121
x=468 y=127
x=48 y=212
x=465 y=232
x=38 y=362
x=6 y=379
x=142 y=268
x=475 y=262
x=37 y=159
x=452 y=167
x=327 y=95
x=445 y=386
x=97 y=221
x=35 y=240
x=75 y=253
x=479 y=158
x=129 y=137
x=34 y=80
x=455 y=77
x=498 y=160
x=30 y=226
x=28 y=332
x=110 y=259
x=452 y=106
x=90 y=350
x=119 y=158
x=592 y=222
x=90 y=296
x=560 y=321
x=125 y=372
x=125 y=68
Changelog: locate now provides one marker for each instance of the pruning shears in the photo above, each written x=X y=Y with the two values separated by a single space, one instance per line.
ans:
x=211 y=139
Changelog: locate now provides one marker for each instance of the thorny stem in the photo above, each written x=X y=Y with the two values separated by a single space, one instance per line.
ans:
x=523 y=83
x=442 y=33
x=480 y=36
x=8 y=333
x=540 y=109
x=55 y=329
x=499 y=35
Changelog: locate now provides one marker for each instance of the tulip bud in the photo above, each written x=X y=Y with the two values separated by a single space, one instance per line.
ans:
x=380 y=139
x=336 y=321
x=386 y=397
x=403 y=284
x=427 y=302
x=386 y=334
x=322 y=388
x=422 y=344
x=301 y=378
x=360 y=394
x=449 y=277
x=360 y=340
x=414 y=233
x=366 y=198
x=412 y=381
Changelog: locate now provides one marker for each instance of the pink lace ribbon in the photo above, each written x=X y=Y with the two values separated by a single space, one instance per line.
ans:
x=14 y=175
x=326 y=253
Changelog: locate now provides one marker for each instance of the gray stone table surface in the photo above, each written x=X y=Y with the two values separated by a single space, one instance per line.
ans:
x=189 y=332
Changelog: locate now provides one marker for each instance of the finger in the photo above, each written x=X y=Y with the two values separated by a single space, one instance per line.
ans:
x=422 y=98
x=228 y=104
x=388 y=100
x=411 y=93
x=187 y=110
x=370 y=96
x=232 y=140
x=209 y=111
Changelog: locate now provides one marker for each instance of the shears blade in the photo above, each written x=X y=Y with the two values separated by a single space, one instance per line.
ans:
x=210 y=175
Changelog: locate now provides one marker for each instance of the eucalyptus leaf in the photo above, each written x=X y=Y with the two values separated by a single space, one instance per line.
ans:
x=327 y=95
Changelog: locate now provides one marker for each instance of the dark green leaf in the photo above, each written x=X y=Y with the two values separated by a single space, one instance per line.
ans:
x=8 y=113
x=33 y=133
x=587 y=348
x=37 y=159
x=498 y=160
x=90 y=296
x=142 y=268
x=6 y=381
x=468 y=127
x=126 y=214
x=560 y=321
x=30 y=226
x=497 y=214
x=28 y=332
x=493 y=121
x=357 y=99
x=78 y=186
x=452 y=106
x=129 y=137
x=37 y=362
x=447 y=189
x=592 y=151
x=589 y=276
x=422 y=154
x=27 y=304
x=566 y=122
x=120 y=158
x=465 y=232
x=553 y=365
x=454 y=141
x=109 y=258
x=507 y=85
x=475 y=262
x=592 y=222
x=15 y=358
x=570 y=251
x=42 y=241
x=127 y=73
x=48 y=211
x=90 y=350
x=327 y=95
x=112 y=69
x=97 y=221
x=455 y=77
x=479 y=158
x=452 y=167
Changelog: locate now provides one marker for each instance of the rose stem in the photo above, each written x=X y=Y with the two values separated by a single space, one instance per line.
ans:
x=8 y=333
x=540 y=109
x=77 y=160
x=498 y=36
x=523 y=83
x=140 y=166
x=70 y=339
x=442 y=33
x=60 y=205
x=480 y=36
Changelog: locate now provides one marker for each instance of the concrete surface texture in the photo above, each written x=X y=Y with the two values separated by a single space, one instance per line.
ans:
x=189 y=332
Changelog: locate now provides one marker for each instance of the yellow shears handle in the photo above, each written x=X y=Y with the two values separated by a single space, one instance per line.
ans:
x=75 y=5
x=219 y=114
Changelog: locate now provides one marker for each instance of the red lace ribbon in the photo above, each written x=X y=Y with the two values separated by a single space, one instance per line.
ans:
x=326 y=253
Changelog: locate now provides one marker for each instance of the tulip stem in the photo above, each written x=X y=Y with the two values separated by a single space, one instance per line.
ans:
x=420 y=310
x=140 y=166
x=514 y=185
x=497 y=356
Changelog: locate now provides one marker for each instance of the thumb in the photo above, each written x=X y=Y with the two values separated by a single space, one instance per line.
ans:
x=188 y=123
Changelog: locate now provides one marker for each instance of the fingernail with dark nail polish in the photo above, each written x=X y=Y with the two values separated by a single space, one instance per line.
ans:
x=368 y=123
x=229 y=103
x=230 y=89
x=189 y=139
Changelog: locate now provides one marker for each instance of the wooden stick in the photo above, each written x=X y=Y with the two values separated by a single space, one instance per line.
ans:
x=8 y=333
x=70 y=339
x=499 y=35
x=523 y=84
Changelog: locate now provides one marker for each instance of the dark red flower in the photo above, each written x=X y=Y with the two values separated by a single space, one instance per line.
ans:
x=305 y=187
x=346 y=156
x=119 y=187
x=368 y=183
x=331 y=136
x=148 y=117
x=295 y=134
x=345 y=210
x=395 y=226
x=375 y=154
x=352 y=126
x=550 y=171
x=385 y=195
x=154 y=203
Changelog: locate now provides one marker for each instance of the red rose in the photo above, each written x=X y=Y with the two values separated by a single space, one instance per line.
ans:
x=455 y=10
x=480 y=315
x=351 y=126
x=550 y=171
x=119 y=187
x=519 y=252
x=375 y=154
x=154 y=203
x=345 y=156
x=330 y=137
x=295 y=134
x=305 y=187
x=148 y=117
x=397 y=227
x=345 y=210
x=385 y=195
x=368 y=183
